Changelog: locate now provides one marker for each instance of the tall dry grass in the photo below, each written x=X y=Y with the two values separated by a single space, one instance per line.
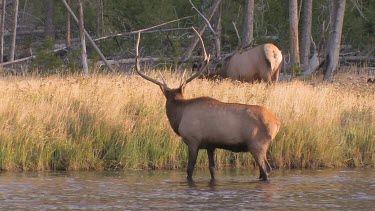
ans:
x=116 y=122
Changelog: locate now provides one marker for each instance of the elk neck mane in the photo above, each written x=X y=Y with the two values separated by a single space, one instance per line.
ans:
x=175 y=108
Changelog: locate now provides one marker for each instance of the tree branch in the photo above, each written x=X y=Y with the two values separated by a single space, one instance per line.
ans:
x=141 y=30
x=356 y=5
x=238 y=35
x=204 y=18
x=88 y=36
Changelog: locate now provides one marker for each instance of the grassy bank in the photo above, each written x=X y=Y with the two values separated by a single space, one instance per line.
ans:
x=116 y=122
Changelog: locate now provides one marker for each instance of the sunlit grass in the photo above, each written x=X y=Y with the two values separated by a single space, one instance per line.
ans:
x=118 y=121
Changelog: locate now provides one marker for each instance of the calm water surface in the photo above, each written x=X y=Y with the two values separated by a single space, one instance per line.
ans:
x=234 y=189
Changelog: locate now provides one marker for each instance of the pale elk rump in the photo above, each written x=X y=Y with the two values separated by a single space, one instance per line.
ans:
x=206 y=123
x=261 y=63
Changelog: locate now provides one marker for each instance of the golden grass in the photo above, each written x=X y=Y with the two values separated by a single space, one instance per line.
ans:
x=116 y=122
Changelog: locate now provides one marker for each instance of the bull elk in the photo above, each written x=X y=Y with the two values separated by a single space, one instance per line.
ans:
x=261 y=63
x=206 y=123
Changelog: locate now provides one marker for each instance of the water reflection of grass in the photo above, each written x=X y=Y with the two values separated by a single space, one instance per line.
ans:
x=115 y=122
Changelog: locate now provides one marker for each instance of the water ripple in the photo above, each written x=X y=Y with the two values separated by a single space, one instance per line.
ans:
x=145 y=190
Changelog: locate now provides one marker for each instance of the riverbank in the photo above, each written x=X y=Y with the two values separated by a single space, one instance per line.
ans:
x=117 y=122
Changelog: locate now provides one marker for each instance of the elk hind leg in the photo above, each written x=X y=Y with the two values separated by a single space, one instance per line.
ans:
x=266 y=76
x=263 y=174
x=267 y=170
x=261 y=160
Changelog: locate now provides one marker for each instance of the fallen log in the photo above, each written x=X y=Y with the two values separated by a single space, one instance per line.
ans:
x=146 y=30
x=357 y=59
x=16 y=61
x=145 y=60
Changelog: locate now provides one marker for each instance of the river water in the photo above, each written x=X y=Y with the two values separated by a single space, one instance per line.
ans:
x=234 y=189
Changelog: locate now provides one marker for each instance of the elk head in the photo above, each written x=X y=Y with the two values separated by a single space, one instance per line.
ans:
x=178 y=92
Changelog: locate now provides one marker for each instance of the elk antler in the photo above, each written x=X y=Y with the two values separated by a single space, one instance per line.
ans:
x=137 y=66
x=206 y=59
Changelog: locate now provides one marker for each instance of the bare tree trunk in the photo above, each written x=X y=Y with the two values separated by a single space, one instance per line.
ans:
x=14 y=31
x=50 y=27
x=306 y=33
x=24 y=10
x=334 y=40
x=248 y=24
x=218 y=32
x=68 y=41
x=2 y=28
x=195 y=41
x=99 y=18
x=332 y=10
x=88 y=36
x=293 y=28
x=82 y=38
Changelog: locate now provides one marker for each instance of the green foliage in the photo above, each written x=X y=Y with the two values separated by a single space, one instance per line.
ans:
x=359 y=31
x=297 y=70
x=271 y=24
x=46 y=58
x=136 y=14
x=74 y=60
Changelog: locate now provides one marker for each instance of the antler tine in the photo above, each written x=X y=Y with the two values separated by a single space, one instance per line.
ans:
x=206 y=60
x=204 y=48
x=137 y=66
x=162 y=78
x=182 y=78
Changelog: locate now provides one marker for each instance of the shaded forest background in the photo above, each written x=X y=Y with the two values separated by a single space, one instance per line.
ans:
x=36 y=35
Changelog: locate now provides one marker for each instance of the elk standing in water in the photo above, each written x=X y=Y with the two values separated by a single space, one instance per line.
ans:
x=206 y=123
x=261 y=63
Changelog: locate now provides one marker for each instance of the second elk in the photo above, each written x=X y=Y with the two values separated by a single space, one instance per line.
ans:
x=261 y=63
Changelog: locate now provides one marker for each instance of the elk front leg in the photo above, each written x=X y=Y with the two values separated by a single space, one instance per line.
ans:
x=193 y=153
x=211 y=160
